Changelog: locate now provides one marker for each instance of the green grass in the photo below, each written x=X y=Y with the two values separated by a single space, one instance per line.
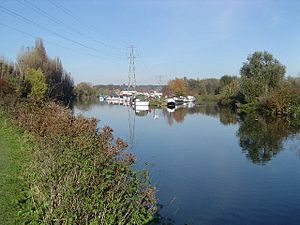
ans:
x=73 y=174
x=14 y=153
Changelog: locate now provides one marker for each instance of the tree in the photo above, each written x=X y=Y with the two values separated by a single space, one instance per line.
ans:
x=60 y=85
x=166 y=90
x=38 y=86
x=193 y=86
x=208 y=86
x=226 y=80
x=86 y=91
x=261 y=74
x=6 y=68
x=178 y=87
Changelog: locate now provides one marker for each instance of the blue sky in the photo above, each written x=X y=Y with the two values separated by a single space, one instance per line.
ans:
x=174 y=38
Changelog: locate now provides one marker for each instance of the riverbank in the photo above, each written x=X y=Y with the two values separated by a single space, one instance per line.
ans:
x=15 y=152
x=76 y=174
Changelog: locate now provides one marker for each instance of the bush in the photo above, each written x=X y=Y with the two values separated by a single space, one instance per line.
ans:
x=79 y=175
x=7 y=87
x=281 y=101
x=38 y=86
x=246 y=108
x=295 y=112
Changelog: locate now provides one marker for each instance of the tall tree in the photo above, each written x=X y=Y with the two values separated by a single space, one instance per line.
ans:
x=178 y=87
x=6 y=68
x=260 y=75
x=59 y=83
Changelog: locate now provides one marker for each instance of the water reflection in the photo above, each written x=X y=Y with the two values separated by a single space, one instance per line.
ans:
x=200 y=170
x=178 y=114
x=296 y=144
x=227 y=116
x=85 y=106
x=141 y=110
x=262 y=138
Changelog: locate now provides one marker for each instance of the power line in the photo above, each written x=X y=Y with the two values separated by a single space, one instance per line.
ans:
x=58 y=21
x=24 y=19
x=68 y=12
x=150 y=71
x=50 y=42
x=85 y=25
x=146 y=67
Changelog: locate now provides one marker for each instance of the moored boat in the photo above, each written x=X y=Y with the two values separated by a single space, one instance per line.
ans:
x=179 y=100
x=171 y=103
x=189 y=98
x=138 y=102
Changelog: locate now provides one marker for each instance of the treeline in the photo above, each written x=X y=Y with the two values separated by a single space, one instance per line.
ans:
x=261 y=87
x=86 y=91
x=200 y=87
x=36 y=75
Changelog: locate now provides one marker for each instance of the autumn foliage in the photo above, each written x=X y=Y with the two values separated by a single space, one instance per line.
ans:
x=78 y=173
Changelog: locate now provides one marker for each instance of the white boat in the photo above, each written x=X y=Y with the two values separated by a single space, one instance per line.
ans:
x=140 y=108
x=189 y=98
x=171 y=103
x=189 y=105
x=179 y=100
x=138 y=102
x=114 y=100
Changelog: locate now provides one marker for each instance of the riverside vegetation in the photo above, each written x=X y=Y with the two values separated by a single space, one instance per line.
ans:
x=262 y=88
x=75 y=173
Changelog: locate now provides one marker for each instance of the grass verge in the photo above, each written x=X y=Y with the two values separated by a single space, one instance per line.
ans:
x=14 y=154
x=76 y=173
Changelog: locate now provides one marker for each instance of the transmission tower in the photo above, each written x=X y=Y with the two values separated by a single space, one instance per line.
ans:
x=160 y=83
x=160 y=79
x=131 y=69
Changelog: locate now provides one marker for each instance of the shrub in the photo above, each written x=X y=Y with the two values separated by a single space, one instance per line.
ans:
x=38 y=86
x=7 y=87
x=281 y=101
x=79 y=175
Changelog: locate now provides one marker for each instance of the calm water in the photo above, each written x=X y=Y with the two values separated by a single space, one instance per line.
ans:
x=211 y=167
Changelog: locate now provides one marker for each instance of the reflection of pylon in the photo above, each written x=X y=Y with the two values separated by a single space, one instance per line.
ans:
x=131 y=69
x=131 y=123
x=156 y=115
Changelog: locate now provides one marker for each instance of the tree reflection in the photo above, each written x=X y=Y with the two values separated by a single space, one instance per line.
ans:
x=296 y=144
x=86 y=105
x=227 y=116
x=261 y=139
x=158 y=219
x=141 y=113
x=177 y=115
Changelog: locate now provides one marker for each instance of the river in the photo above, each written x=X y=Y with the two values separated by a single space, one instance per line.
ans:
x=211 y=166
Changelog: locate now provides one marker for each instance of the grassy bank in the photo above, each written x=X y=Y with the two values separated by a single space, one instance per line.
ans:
x=76 y=174
x=15 y=148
